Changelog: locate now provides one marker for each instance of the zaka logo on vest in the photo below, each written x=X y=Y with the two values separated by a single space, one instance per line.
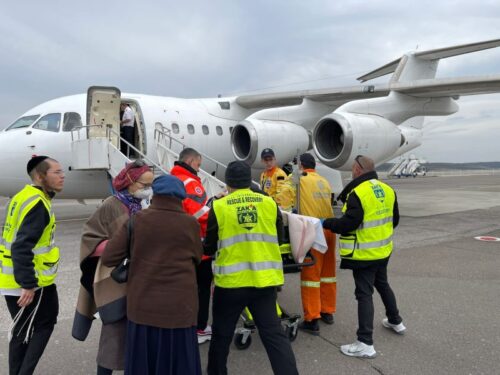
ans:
x=379 y=192
x=247 y=216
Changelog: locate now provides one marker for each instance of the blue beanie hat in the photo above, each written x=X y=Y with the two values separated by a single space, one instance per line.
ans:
x=170 y=186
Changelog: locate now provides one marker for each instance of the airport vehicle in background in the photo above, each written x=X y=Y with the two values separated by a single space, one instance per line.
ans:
x=408 y=167
x=382 y=121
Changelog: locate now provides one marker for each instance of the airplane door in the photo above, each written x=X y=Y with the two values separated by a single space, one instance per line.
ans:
x=103 y=108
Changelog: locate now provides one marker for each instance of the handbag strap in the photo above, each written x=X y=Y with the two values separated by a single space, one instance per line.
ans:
x=130 y=229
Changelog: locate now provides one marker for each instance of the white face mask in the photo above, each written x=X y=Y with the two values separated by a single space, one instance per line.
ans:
x=143 y=193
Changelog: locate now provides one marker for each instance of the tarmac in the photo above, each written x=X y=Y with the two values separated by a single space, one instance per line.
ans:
x=446 y=282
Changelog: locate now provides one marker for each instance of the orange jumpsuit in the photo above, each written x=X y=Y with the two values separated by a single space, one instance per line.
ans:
x=318 y=282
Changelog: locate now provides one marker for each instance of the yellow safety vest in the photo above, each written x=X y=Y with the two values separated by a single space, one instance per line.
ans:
x=270 y=183
x=372 y=240
x=46 y=254
x=315 y=195
x=248 y=253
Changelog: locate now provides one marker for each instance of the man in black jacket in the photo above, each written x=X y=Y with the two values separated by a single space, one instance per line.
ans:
x=370 y=215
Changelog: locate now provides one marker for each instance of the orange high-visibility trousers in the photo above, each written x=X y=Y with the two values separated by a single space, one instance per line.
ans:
x=319 y=282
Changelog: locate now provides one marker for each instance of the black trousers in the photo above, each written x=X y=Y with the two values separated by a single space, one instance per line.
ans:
x=365 y=279
x=204 y=277
x=127 y=133
x=23 y=357
x=227 y=306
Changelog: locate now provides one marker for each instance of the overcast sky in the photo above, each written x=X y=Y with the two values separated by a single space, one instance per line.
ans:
x=204 y=48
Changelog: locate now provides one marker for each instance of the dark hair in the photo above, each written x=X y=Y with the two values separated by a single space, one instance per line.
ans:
x=188 y=153
x=41 y=168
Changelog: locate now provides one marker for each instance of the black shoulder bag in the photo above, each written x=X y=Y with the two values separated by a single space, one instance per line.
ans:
x=120 y=273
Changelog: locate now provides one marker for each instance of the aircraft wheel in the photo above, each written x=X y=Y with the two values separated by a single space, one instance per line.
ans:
x=238 y=341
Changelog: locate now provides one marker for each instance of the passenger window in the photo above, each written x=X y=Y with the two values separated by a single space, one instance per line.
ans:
x=205 y=130
x=175 y=128
x=49 y=122
x=218 y=130
x=230 y=130
x=71 y=120
x=190 y=129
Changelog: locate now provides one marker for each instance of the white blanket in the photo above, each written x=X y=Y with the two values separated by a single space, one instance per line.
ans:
x=306 y=232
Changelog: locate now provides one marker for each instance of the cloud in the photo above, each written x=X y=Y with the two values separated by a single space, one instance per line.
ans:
x=199 y=49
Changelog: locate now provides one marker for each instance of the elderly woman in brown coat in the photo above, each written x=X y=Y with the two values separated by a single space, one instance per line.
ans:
x=162 y=299
x=98 y=292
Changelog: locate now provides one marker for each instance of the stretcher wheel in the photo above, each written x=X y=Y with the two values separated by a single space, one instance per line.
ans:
x=238 y=341
x=291 y=333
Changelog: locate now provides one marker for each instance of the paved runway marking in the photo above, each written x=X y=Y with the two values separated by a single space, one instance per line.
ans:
x=487 y=238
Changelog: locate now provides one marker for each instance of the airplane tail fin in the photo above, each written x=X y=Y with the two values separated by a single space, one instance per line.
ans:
x=423 y=65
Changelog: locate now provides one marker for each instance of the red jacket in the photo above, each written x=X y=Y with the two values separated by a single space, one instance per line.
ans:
x=195 y=203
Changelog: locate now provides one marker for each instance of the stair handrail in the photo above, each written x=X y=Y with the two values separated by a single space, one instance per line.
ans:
x=110 y=131
x=163 y=132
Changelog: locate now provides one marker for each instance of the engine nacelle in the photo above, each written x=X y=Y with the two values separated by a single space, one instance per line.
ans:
x=339 y=137
x=251 y=136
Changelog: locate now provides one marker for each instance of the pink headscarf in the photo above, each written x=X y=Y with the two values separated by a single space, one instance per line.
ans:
x=130 y=174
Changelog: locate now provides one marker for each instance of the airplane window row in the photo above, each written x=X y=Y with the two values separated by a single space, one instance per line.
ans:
x=191 y=130
x=50 y=122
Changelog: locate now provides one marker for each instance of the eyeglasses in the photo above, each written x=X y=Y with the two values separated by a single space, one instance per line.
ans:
x=356 y=159
x=59 y=172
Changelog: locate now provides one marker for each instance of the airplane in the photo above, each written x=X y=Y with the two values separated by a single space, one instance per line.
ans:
x=382 y=121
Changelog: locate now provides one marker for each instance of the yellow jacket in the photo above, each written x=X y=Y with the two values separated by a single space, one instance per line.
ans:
x=315 y=195
x=272 y=181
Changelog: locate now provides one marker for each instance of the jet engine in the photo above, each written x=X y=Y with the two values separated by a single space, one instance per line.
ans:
x=251 y=136
x=339 y=137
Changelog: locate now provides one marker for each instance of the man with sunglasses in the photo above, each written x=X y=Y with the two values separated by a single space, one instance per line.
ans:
x=29 y=260
x=370 y=215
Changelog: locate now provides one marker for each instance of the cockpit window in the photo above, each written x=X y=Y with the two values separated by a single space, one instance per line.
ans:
x=23 y=122
x=71 y=120
x=50 y=122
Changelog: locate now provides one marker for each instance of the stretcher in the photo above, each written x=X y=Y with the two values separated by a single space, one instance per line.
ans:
x=289 y=321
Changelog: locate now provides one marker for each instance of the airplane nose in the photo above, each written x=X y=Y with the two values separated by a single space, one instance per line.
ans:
x=14 y=147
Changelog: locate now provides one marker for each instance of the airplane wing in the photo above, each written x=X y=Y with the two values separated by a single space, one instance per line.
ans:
x=334 y=97
x=425 y=88
x=432 y=88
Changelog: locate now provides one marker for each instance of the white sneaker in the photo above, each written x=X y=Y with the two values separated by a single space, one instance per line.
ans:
x=359 y=349
x=204 y=335
x=398 y=328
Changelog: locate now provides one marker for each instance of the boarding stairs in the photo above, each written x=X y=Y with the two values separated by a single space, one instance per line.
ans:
x=398 y=168
x=99 y=149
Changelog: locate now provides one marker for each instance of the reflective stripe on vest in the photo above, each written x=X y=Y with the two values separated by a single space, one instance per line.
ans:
x=202 y=211
x=248 y=266
x=372 y=240
x=247 y=237
x=366 y=245
x=248 y=252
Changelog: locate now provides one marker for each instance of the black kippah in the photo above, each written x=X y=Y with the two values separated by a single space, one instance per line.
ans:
x=34 y=161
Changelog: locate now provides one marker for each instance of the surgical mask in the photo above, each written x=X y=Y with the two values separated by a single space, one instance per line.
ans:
x=143 y=193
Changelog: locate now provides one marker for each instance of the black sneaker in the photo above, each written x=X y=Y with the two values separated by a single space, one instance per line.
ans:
x=311 y=327
x=327 y=318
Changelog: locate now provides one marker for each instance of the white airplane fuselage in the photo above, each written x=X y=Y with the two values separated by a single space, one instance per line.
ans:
x=22 y=143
